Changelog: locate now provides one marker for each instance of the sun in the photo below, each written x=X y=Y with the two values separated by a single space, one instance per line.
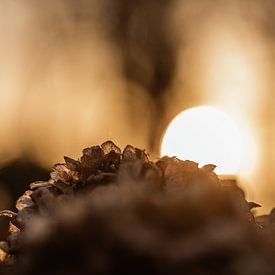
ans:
x=205 y=135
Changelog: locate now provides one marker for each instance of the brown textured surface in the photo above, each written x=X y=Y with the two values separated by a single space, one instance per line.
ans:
x=113 y=212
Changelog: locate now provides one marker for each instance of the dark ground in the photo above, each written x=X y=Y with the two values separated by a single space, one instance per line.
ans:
x=15 y=178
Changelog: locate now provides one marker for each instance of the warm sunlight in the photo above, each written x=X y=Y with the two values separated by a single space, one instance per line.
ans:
x=205 y=135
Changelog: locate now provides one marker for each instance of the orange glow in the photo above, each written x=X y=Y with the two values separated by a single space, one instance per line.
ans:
x=232 y=69
x=205 y=135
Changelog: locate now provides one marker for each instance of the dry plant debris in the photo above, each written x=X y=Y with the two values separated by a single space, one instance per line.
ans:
x=113 y=212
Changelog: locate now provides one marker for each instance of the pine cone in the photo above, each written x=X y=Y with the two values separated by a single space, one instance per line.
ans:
x=120 y=213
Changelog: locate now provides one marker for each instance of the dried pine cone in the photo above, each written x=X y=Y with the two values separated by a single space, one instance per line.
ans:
x=120 y=213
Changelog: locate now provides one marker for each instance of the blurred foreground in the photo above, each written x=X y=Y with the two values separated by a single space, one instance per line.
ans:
x=116 y=212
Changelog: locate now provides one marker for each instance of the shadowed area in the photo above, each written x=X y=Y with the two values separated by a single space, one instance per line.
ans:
x=15 y=177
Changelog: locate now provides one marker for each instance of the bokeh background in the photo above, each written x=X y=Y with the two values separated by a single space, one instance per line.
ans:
x=77 y=73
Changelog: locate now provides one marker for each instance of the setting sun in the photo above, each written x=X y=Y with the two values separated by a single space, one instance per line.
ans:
x=205 y=135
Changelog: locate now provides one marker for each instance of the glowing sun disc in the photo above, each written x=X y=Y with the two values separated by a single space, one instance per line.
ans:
x=205 y=135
